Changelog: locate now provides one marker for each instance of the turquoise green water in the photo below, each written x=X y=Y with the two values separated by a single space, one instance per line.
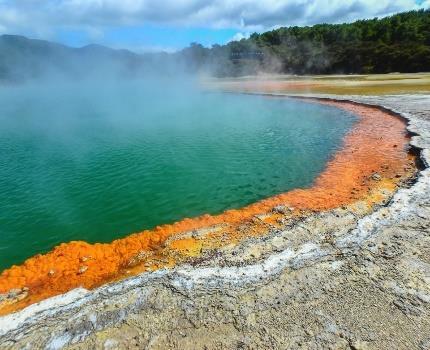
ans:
x=95 y=162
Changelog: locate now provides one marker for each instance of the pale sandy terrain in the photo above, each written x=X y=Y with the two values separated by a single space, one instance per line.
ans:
x=374 y=84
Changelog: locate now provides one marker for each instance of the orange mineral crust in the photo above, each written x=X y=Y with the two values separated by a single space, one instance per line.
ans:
x=377 y=144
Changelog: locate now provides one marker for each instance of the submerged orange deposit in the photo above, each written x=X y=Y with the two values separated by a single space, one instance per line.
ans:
x=374 y=155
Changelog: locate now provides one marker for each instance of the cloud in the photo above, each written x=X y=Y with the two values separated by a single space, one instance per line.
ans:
x=146 y=48
x=94 y=16
x=239 y=36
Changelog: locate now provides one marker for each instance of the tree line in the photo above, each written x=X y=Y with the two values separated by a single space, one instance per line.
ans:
x=399 y=43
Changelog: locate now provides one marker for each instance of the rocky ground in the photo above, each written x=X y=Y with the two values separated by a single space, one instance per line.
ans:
x=343 y=279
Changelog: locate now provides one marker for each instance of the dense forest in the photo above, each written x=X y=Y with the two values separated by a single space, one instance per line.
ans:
x=400 y=43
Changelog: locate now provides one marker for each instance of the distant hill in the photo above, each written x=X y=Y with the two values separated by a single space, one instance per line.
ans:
x=399 y=43
x=22 y=59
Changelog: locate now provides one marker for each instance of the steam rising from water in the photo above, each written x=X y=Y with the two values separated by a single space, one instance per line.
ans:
x=96 y=159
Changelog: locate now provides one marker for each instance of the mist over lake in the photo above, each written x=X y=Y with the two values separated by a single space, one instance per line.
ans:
x=95 y=161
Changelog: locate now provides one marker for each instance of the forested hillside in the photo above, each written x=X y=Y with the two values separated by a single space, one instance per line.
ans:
x=400 y=43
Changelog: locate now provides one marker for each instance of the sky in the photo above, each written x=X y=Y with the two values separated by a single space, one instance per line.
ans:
x=169 y=25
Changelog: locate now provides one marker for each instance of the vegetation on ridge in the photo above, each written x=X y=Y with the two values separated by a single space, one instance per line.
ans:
x=400 y=43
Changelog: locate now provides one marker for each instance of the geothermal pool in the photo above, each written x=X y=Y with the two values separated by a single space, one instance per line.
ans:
x=97 y=162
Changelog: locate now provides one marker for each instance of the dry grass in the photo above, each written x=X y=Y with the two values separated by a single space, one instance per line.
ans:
x=375 y=84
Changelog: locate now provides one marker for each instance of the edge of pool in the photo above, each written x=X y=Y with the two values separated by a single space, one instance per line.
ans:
x=76 y=316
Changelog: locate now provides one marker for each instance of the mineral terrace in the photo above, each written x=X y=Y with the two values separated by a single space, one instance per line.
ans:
x=347 y=278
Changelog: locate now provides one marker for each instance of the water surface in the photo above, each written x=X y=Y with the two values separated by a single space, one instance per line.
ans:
x=96 y=161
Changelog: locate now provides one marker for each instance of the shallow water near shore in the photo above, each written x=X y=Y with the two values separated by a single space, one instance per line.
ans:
x=95 y=163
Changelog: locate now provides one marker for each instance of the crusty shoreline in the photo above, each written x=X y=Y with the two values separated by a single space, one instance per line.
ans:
x=336 y=279
x=372 y=161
